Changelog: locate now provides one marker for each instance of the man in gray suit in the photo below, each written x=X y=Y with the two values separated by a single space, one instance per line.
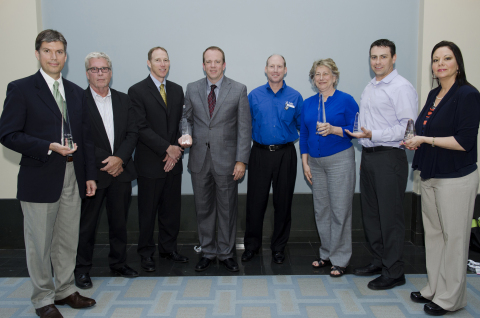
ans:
x=218 y=110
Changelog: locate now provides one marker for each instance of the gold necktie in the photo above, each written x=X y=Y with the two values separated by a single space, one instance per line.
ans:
x=163 y=93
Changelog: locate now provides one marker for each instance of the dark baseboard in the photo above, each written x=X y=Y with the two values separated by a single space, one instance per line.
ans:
x=303 y=222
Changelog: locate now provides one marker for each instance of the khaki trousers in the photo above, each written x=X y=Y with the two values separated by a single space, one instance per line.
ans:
x=447 y=211
x=51 y=239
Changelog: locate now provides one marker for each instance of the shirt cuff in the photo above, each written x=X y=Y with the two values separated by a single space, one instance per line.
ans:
x=376 y=134
x=49 y=152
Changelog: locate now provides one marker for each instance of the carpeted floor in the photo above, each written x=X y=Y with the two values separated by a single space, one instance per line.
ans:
x=238 y=296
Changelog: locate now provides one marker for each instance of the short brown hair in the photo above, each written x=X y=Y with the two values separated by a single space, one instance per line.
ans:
x=153 y=49
x=214 y=48
x=48 y=36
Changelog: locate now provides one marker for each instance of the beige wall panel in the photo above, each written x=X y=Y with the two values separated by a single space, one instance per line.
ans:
x=19 y=24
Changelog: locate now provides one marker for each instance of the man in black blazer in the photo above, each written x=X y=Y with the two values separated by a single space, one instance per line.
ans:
x=115 y=134
x=159 y=104
x=53 y=178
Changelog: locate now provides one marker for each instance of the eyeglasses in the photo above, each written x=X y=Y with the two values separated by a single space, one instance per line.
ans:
x=96 y=69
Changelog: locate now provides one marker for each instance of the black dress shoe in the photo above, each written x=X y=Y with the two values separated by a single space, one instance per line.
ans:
x=383 y=282
x=416 y=297
x=248 y=255
x=433 y=309
x=368 y=270
x=83 y=281
x=174 y=256
x=148 y=264
x=203 y=264
x=230 y=264
x=278 y=257
x=125 y=271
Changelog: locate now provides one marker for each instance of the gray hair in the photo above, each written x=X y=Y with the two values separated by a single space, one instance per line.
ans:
x=97 y=55
x=328 y=63
x=284 y=62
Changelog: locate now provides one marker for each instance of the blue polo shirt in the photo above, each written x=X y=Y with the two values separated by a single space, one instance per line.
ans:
x=275 y=116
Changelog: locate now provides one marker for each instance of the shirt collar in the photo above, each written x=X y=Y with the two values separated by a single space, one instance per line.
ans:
x=267 y=86
x=387 y=79
x=50 y=80
x=95 y=95
x=218 y=84
x=158 y=83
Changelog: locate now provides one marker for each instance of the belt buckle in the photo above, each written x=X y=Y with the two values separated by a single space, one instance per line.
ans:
x=271 y=147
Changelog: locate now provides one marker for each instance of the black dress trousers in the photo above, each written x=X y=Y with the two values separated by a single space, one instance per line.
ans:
x=279 y=170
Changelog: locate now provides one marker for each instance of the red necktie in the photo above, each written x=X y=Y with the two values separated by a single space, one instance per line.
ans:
x=212 y=100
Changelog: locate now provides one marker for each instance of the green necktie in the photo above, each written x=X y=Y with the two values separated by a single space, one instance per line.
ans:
x=163 y=93
x=58 y=98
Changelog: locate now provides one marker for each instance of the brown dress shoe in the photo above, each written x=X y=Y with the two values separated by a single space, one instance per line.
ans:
x=48 y=311
x=76 y=301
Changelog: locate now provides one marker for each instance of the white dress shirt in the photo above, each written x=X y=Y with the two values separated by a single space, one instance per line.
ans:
x=104 y=106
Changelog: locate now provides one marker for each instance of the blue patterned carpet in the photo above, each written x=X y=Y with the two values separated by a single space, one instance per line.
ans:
x=233 y=296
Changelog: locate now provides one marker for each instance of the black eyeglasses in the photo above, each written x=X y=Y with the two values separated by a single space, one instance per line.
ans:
x=96 y=69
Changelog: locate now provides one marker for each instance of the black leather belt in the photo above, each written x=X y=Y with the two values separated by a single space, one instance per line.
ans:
x=378 y=149
x=272 y=147
x=69 y=158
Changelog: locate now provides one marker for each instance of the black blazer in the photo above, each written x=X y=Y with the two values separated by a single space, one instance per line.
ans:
x=125 y=133
x=158 y=126
x=30 y=121
x=457 y=115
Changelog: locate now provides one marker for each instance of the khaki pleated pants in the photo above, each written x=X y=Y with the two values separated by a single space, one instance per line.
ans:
x=447 y=211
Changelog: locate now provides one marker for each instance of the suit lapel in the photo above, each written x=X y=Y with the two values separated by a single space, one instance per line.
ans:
x=156 y=93
x=97 y=119
x=202 y=91
x=222 y=95
x=117 y=114
x=43 y=91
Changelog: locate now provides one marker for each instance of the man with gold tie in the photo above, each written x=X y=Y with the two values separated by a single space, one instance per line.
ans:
x=158 y=159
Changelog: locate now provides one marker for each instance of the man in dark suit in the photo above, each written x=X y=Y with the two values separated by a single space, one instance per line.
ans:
x=218 y=110
x=54 y=176
x=159 y=105
x=115 y=134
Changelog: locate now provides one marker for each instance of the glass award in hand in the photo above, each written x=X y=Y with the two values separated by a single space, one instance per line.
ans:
x=410 y=130
x=356 y=126
x=321 y=110
x=186 y=139
x=67 y=137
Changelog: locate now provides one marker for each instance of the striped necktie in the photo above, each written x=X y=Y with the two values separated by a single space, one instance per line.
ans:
x=59 y=99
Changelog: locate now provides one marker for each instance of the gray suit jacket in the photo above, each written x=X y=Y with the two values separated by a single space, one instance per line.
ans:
x=228 y=132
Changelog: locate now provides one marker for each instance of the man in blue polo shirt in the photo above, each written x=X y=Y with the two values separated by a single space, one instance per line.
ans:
x=275 y=110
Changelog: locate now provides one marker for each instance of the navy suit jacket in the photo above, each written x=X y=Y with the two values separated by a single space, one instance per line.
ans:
x=30 y=121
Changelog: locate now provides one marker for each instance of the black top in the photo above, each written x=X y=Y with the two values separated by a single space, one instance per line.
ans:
x=457 y=115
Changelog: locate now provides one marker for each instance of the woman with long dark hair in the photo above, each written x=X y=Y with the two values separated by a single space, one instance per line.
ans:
x=446 y=155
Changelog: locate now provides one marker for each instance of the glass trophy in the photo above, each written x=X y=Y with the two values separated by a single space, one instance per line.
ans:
x=186 y=138
x=67 y=137
x=356 y=126
x=409 y=131
x=321 y=110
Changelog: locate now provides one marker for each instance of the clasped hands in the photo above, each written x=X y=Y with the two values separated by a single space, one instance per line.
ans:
x=174 y=153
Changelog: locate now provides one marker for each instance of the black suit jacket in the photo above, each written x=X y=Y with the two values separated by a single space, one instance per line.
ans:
x=30 y=121
x=158 y=126
x=125 y=136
